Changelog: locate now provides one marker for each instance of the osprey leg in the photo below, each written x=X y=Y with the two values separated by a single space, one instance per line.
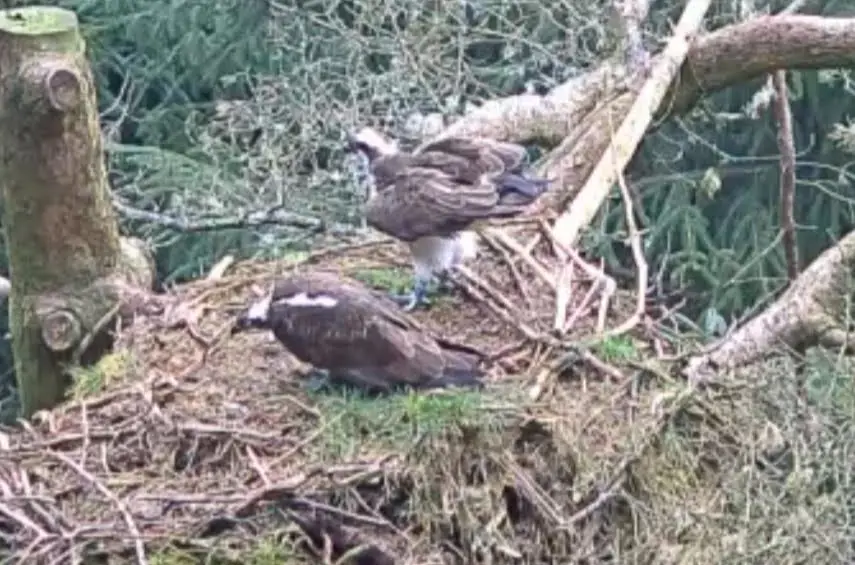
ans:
x=317 y=379
x=417 y=297
x=446 y=283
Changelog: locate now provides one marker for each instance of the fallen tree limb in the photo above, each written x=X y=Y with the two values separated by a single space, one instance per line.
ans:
x=730 y=55
x=622 y=143
x=66 y=258
x=812 y=311
x=574 y=117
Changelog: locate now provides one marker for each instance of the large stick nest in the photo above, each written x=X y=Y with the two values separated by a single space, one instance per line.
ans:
x=187 y=442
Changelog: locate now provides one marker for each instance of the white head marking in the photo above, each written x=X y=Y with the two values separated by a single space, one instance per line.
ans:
x=303 y=299
x=372 y=138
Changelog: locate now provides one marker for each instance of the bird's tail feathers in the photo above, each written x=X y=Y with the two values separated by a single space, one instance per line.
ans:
x=521 y=187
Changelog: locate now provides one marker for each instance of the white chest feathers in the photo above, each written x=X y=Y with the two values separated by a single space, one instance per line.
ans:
x=438 y=254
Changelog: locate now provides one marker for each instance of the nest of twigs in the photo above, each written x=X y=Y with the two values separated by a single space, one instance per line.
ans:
x=187 y=444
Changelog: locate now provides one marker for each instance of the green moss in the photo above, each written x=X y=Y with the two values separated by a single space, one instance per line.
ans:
x=87 y=381
x=355 y=421
x=268 y=551
x=38 y=20
x=393 y=279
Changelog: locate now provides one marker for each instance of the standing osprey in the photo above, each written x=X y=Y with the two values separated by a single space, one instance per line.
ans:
x=427 y=198
x=357 y=336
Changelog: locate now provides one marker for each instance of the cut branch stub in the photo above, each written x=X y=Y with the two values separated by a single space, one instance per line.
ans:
x=61 y=330
x=63 y=89
x=61 y=229
x=48 y=86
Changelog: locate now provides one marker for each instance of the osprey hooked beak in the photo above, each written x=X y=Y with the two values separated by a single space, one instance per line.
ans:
x=254 y=317
x=352 y=144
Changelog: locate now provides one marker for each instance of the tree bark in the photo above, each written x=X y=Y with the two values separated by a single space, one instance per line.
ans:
x=65 y=254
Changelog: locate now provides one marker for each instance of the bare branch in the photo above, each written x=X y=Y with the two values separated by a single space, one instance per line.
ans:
x=786 y=145
x=813 y=308
x=626 y=138
x=274 y=215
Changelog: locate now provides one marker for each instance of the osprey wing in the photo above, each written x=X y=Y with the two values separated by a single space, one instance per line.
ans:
x=326 y=321
x=424 y=202
x=340 y=324
x=484 y=154
x=422 y=361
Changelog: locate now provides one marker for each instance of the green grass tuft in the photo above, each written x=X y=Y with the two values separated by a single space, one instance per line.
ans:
x=393 y=279
x=88 y=381
x=355 y=421
x=268 y=551
x=616 y=349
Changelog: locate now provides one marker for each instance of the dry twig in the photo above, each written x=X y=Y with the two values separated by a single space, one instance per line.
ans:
x=99 y=486
x=640 y=264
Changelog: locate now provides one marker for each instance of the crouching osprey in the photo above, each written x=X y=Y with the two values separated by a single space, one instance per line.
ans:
x=357 y=336
x=429 y=197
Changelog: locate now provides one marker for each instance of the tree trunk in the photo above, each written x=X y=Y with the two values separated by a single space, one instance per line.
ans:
x=65 y=255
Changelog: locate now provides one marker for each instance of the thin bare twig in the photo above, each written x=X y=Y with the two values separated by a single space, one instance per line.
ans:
x=490 y=239
x=139 y=546
x=609 y=286
x=525 y=254
x=275 y=215
x=787 y=147
x=640 y=263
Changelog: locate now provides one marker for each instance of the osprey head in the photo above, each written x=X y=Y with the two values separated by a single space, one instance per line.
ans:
x=257 y=316
x=370 y=143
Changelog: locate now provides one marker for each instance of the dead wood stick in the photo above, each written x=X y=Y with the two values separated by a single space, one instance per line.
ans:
x=526 y=256
x=640 y=264
x=608 y=283
x=117 y=502
x=515 y=272
x=563 y=295
x=582 y=308
x=813 y=307
x=623 y=144
x=491 y=290
x=473 y=290
x=787 y=147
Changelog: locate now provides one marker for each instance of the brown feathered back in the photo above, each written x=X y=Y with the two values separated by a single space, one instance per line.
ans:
x=360 y=335
x=461 y=160
x=424 y=202
x=467 y=158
